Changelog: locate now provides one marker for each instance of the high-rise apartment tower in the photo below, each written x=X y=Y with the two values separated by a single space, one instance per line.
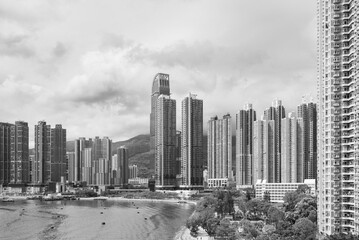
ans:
x=165 y=142
x=219 y=150
x=192 y=141
x=244 y=146
x=338 y=128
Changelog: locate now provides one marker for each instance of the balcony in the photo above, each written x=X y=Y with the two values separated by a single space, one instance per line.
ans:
x=348 y=179
x=337 y=23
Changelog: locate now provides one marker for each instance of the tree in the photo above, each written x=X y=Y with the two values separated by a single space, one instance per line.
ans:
x=268 y=229
x=291 y=199
x=313 y=216
x=305 y=228
x=225 y=203
x=248 y=229
x=226 y=230
x=305 y=206
x=211 y=226
x=242 y=208
x=266 y=196
x=206 y=202
x=275 y=215
x=305 y=189
x=193 y=223
x=257 y=209
x=248 y=195
x=342 y=236
x=204 y=216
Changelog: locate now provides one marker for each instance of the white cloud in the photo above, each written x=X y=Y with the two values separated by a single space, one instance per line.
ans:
x=90 y=65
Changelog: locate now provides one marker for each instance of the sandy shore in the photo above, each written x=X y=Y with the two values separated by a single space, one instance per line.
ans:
x=144 y=200
x=15 y=197
x=123 y=199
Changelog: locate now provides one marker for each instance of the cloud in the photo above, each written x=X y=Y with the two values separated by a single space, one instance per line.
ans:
x=15 y=43
x=90 y=65
x=107 y=80
x=111 y=40
x=59 y=50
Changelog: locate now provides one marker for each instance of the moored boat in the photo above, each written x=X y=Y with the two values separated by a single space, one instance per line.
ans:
x=7 y=199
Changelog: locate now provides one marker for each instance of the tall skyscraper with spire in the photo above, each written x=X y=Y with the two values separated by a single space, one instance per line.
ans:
x=160 y=86
x=244 y=146
x=338 y=128
x=192 y=141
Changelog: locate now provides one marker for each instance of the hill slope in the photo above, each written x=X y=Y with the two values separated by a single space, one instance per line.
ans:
x=139 y=153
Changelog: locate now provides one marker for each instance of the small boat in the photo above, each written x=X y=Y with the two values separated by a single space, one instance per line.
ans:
x=7 y=199
x=100 y=198
x=33 y=197
x=50 y=197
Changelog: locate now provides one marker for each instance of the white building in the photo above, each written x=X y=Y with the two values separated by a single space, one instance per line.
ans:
x=278 y=190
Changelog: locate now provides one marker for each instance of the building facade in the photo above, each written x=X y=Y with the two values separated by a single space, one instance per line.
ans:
x=165 y=142
x=58 y=153
x=133 y=171
x=50 y=153
x=80 y=145
x=245 y=166
x=219 y=150
x=192 y=142
x=70 y=166
x=264 y=151
x=307 y=112
x=19 y=166
x=289 y=138
x=276 y=112
x=122 y=154
x=42 y=161
x=338 y=129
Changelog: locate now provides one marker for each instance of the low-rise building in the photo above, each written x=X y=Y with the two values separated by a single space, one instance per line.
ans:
x=278 y=190
x=217 y=182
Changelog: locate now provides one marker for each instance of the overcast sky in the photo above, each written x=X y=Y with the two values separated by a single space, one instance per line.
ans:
x=89 y=65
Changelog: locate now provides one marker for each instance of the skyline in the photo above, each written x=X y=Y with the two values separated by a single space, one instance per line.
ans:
x=93 y=74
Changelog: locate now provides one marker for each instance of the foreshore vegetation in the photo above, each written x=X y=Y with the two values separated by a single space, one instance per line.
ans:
x=232 y=214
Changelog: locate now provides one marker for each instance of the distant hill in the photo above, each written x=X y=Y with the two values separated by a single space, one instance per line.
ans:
x=139 y=153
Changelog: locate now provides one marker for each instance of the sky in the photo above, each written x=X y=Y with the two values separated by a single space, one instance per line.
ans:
x=89 y=65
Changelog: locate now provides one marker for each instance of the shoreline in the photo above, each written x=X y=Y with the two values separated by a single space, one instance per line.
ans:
x=168 y=200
